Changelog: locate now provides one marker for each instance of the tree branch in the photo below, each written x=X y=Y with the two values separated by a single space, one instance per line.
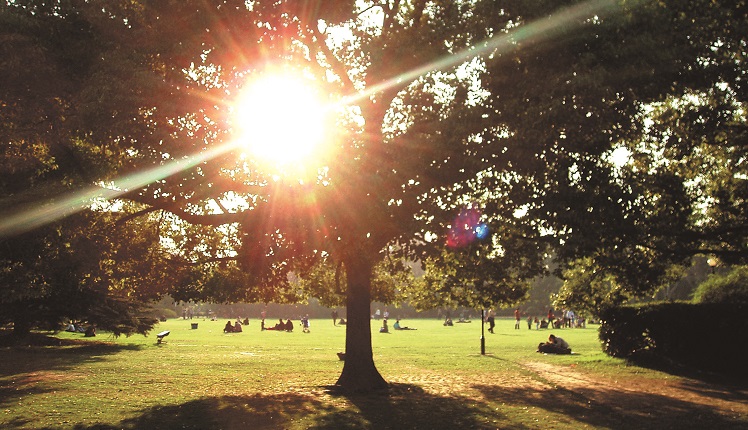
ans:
x=389 y=13
x=220 y=205
x=198 y=263
x=317 y=45
x=177 y=209
x=134 y=215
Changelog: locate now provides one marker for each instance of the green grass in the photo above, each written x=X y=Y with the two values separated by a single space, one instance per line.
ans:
x=203 y=378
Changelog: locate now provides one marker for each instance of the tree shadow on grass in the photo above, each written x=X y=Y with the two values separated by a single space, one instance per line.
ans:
x=229 y=412
x=736 y=374
x=406 y=406
x=41 y=352
x=733 y=391
x=400 y=407
x=612 y=408
x=35 y=358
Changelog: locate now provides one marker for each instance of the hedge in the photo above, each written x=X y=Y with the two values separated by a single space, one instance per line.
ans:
x=705 y=336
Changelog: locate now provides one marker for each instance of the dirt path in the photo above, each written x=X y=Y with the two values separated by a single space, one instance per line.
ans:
x=591 y=400
x=727 y=400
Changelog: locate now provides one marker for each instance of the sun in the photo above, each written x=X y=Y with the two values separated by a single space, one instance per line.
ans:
x=281 y=120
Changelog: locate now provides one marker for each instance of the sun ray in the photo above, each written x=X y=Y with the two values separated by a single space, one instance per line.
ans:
x=17 y=220
x=531 y=33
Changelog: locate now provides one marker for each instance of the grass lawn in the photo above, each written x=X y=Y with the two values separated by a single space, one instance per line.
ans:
x=205 y=379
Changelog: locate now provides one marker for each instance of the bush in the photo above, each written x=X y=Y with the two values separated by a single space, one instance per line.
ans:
x=703 y=336
x=729 y=288
x=160 y=313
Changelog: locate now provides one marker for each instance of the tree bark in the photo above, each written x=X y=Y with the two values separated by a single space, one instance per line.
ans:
x=359 y=372
x=21 y=325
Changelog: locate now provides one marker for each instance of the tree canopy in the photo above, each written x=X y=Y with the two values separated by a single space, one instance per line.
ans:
x=474 y=137
x=79 y=269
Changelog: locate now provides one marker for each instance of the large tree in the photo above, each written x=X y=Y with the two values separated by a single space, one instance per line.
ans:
x=80 y=269
x=473 y=136
x=150 y=94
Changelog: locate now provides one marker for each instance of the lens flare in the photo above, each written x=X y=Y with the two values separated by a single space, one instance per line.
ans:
x=466 y=228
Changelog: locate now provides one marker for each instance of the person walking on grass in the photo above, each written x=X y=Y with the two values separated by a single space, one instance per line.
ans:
x=491 y=321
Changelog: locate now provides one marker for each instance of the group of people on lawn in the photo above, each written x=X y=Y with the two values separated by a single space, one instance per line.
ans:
x=555 y=344
x=279 y=326
x=89 y=331
x=234 y=328
x=568 y=319
x=396 y=326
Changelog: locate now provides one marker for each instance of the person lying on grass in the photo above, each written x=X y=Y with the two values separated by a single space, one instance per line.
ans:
x=280 y=325
x=397 y=326
x=555 y=345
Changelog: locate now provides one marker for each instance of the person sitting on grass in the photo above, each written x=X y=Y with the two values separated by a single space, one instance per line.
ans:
x=237 y=327
x=397 y=326
x=555 y=345
x=384 y=328
x=228 y=328
x=280 y=325
x=75 y=328
x=289 y=325
x=90 y=331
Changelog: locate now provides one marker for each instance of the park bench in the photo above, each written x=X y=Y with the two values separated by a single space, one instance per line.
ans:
x=160 y=337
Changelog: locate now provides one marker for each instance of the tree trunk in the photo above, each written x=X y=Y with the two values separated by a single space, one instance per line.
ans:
x=21 y=325
x=359 y=372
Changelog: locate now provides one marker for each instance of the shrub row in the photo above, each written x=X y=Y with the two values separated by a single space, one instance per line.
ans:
x=706 y=336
